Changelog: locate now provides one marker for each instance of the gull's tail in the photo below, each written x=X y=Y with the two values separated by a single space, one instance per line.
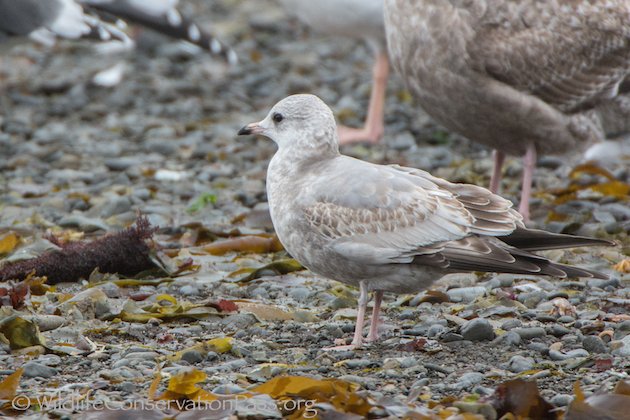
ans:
x=164 y=17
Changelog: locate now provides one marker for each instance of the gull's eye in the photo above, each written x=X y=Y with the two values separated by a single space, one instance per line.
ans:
x=277 y=117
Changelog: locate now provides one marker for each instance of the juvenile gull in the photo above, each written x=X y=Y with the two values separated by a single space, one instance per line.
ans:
x=362 y=19
x=521 y=76
x=388 y=228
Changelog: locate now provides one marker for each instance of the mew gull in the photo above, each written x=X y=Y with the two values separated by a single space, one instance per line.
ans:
x=520 y=76
x=362 y=19
x=388 y=228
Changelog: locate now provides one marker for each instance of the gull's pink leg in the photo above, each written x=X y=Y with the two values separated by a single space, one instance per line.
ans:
x=373 y=334
x=495 y=181
x=529 y=164
x=358 y=328
x=373 y=129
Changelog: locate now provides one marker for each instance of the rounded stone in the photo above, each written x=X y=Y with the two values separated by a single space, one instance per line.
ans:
x=478 y=329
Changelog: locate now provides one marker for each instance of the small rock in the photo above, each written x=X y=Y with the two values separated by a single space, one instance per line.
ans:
x=531 y=332
x=511 y=323
x=239 y=321
x=557 y=355
x=510 y=338
x=566 y=319
x=189 y=290
x=594 y=344
x=466 y=294
x=518 y=364
x=477 y=329
x=561 y=400
x=144 y=355
x=436 y=330
x=467 y=380
x=38 y=370
x=622 y=347
x=558 y=330
x=359 y=363
x=127 y=387
x=192 y=356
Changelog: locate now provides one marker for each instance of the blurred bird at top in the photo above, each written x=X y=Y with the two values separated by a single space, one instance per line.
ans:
x=45 y=20
x=522 y=76
x=361 y=19
x=162 y=16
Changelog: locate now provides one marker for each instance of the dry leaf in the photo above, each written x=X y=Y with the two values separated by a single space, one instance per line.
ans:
x=278 y=267
x=521 y=398
x=600 y=406
x=255 y=244
x=264 y=312
x=217 y=345
x=341 y=394
x=8 y=243
x=623 y=266
x=21 y=333
x=435 y=296
x=10 y=384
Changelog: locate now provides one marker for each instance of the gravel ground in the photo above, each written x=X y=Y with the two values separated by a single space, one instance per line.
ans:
x=79 y=160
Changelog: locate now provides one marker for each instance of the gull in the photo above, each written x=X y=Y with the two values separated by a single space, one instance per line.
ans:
x=388 y=228
x=360 y=19
x=524 y=77
x=45 y=20
x=164 y=16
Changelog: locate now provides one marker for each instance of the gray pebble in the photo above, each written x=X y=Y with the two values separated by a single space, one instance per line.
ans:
x=566 y=319
x=144 y=355
x=192 y=357
x=189 y=290
x=299 y=294
x=557 y=355
x=518 y=364
x=510 y=338
x=467 y=380
x=530 y=332
x=359 y=363
x=594 y=344
x=239 y=321
x=511 y=323
x=541 y=348
x=402 y=141
x=545 y=318
x=127 y=387
x=477 y=329
x=466 y=294
x=450 y=337
x=38 y=370
x=624 y=349
x=436 y=330
x=115 y=205
x=602 y=284
x=558 y=330
x=561 y=400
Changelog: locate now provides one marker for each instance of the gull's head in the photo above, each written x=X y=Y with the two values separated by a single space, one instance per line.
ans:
x=303 y=121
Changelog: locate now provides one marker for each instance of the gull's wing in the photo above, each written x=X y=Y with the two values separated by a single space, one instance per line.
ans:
x=383 y=214
x=489 y=254
x=570 y=54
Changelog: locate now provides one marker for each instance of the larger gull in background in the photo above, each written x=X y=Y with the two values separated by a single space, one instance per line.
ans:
x=523 y=77
x=388 y=228
x=360 y=19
